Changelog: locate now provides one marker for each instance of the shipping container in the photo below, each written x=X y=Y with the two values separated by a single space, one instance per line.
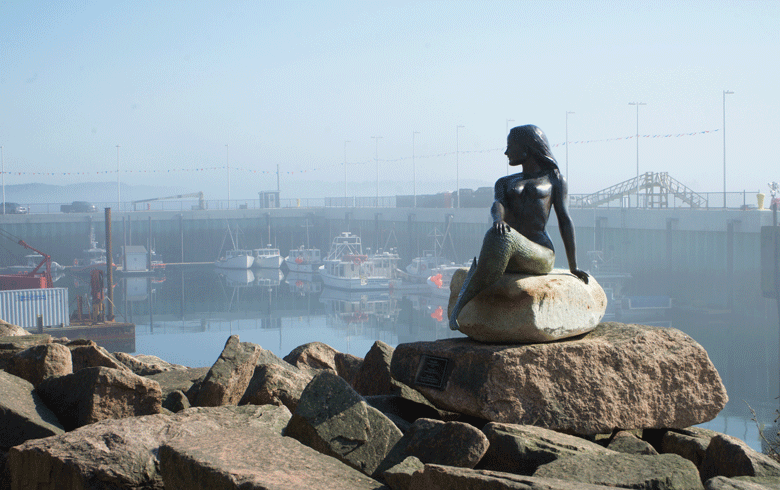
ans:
x=22 y=306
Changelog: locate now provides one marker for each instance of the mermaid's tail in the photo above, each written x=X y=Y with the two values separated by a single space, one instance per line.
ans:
x=464 y=296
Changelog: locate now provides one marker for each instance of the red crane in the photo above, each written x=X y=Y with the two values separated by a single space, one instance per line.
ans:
x=35 y=279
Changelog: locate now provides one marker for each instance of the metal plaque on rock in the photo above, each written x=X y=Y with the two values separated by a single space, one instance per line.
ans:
x=432 y=372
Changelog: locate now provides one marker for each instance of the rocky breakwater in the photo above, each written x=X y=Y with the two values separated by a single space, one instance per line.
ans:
x=320 y=419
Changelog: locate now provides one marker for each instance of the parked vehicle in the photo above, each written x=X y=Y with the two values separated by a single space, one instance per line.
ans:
x=14 y=208
x=78 y=207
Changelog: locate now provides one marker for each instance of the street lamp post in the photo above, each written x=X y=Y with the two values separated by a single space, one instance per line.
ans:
x=725 y=92
x=227 y=164
x=345 y=173
x=414 y=171
x=457 y=166
x=637 y=104
x=2 y=173
x=118 y=188
x=376 y=158
x=567 y=145
x=507 y=133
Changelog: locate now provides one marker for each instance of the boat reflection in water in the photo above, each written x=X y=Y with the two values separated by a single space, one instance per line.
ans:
x=237 y=278
x=356 y=308
x=303 y=282
x=269 y=278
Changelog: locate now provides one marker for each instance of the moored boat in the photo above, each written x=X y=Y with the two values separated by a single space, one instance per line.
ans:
x=347 y=267
x=304 y=260
x=267 y=258
x=236 y=259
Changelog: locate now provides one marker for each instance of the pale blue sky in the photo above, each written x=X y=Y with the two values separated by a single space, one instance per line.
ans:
x=287 y=83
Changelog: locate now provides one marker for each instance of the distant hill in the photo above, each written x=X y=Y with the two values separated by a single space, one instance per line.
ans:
x=95 y=192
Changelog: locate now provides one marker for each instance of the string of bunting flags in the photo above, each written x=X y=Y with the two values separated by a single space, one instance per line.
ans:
x=315 y=169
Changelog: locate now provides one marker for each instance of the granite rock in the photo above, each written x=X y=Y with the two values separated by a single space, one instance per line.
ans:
x=40 y=362
x=274 y=384
x=87 y=354
x=433 y=441
x=521 y=308
x=11 y=330
x=728 y=456
x=657 y=472
x=521 y=449
x=438 y=477
x=23 y=415
x=617 y=376
x=123 y=453
x=97 y=393
x=333 y=419
x=229 y=377
x=252 y=460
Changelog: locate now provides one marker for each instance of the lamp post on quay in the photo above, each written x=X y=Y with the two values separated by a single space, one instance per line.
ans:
x=376 y=158
x=637 y=104
x=725 y=93
x=457 y=166
x=414 y=171
x=345 y=173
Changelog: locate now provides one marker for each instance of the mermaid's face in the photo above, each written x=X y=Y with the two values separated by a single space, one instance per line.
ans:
x=515 y=152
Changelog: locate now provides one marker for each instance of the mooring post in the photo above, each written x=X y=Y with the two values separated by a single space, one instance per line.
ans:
x=109 y=266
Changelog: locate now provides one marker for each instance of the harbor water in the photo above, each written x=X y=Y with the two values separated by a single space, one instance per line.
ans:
x=186 y=314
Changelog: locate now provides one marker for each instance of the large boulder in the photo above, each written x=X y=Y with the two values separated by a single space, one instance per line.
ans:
x=530 y=307
x=14 y=344
x=97 y=393
x=40 y=362
x=333 y=419
x=436 y=442
x=23 y=415
x=274 y=384
x=438 y=477
x=179 y=380
x=229 y=377
x=658 y=472
x=145 y=365
x=374 y=378
x=690 y=443
x=123 y=453
x=252 y=460
x=11 y=330
x=314 y=355
x=617 y=376
x=743 y=483
x=521 y=449
x=86 y=354
x=728 y=456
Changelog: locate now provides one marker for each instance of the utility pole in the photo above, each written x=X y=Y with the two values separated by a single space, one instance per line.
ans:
x=637 y=104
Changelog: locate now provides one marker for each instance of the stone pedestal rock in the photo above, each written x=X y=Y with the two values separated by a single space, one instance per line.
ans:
x=522 y=308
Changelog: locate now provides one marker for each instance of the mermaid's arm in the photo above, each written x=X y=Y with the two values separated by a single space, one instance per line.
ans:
x=497 y=211
x=565 y=224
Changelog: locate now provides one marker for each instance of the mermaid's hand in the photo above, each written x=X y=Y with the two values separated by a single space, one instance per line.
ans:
x=501 y=226
x=454 y=324
x=581 y=274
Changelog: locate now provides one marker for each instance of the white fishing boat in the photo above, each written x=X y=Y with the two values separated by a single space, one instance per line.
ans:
x=236 y=259
x=267 y=258
x=347 y=267
x=33 y=261
x=94 y=257
x=423 y=266
x=305 y=260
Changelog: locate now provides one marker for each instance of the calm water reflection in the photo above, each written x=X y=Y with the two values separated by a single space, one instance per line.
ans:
x=186 y=317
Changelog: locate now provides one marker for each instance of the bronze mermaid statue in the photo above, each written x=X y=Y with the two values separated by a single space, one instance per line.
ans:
x=518 y=242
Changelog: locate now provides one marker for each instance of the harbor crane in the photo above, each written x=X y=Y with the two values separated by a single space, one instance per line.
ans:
x=201 y=203
x=34 y=279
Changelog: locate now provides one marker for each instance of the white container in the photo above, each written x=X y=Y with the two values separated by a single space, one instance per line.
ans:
x=22 y=306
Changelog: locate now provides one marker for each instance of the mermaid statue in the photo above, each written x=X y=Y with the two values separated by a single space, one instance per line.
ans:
x=518 y=242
